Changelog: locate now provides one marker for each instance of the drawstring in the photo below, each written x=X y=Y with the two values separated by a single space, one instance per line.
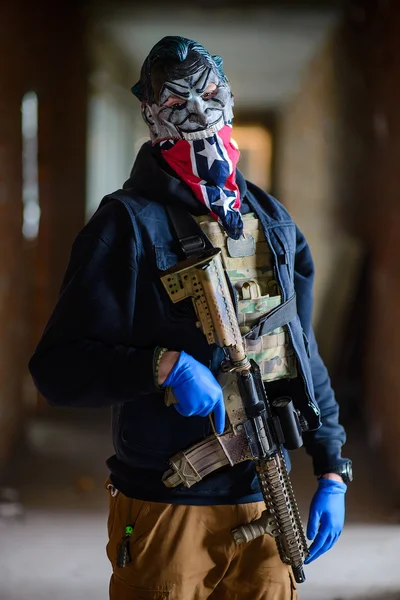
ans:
x=123 y=552
x=113 y=490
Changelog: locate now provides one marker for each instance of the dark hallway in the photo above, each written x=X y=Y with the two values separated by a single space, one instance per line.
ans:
x=318 y=126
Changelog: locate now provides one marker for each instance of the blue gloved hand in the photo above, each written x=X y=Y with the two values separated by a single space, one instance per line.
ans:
x=326 y=518
x=196 y=390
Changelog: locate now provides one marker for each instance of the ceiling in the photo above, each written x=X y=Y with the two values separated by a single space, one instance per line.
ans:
x=264 y=50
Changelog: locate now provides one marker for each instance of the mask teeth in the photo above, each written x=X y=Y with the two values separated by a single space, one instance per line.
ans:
x=204 y=133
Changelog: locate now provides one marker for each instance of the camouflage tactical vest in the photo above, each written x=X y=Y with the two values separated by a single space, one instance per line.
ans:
x=249 y=264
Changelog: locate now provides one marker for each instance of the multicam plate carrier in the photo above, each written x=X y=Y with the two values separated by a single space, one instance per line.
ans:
x=254 y=431
x=249 y=263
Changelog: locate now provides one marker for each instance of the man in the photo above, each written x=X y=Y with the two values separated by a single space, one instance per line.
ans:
x=116 y=339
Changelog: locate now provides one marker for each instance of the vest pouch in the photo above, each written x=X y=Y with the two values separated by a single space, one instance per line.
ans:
x=274 y=354
x=257 y=294
x=273 y=351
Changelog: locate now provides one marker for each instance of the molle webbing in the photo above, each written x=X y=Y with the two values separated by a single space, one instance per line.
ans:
x=257 y=267
x=250 y=266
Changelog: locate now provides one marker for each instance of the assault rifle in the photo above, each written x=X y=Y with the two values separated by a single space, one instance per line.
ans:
x=258 y=429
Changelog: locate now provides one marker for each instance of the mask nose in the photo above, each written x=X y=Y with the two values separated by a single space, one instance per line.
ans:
x=196 y=108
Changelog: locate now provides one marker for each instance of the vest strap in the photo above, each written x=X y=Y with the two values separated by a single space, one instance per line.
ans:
x=279 y=316
x=189 y=233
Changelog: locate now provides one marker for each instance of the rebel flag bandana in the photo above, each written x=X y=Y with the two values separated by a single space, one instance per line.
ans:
x=208 y=166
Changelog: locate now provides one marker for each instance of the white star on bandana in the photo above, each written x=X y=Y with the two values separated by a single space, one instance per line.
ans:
x=211 y=153
x=224 y=201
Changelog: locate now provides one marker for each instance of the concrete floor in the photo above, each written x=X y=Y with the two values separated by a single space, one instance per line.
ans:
x=55 y=549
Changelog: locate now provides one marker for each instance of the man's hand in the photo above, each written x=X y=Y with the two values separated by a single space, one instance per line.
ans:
x=326 y=518
x=195 y=388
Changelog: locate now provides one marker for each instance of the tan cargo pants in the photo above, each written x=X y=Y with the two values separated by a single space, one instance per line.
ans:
x=187 y=553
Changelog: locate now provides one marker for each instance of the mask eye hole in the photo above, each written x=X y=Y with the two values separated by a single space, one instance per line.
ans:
x=209 y=94
x=175 y=102
x=178 y=105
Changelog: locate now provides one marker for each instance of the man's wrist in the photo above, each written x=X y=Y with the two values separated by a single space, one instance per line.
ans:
x=166 y=363
x=343 y=470
x=332 y=476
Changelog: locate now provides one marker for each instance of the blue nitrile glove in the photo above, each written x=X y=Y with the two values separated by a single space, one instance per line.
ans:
x=196 y=390
x=326 y=518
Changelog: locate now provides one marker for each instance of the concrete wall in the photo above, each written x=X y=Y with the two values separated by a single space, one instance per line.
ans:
x=371 y=51
x=115 y=124
x=12 y=275
x=310 y=163
x=339 y=176
x=39 y=55
x=59 y=74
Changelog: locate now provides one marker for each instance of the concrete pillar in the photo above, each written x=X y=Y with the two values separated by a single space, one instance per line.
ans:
x=42 y=49
x=12 y=267
x=371 y=43
x=339 y=176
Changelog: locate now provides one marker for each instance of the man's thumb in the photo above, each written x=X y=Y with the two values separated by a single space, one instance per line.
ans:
x=219 y=416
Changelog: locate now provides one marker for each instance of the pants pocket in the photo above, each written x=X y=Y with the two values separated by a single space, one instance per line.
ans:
x=120 y=590
x=124 y=512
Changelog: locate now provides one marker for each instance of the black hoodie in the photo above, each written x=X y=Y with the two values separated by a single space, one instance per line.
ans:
x=113 y=312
